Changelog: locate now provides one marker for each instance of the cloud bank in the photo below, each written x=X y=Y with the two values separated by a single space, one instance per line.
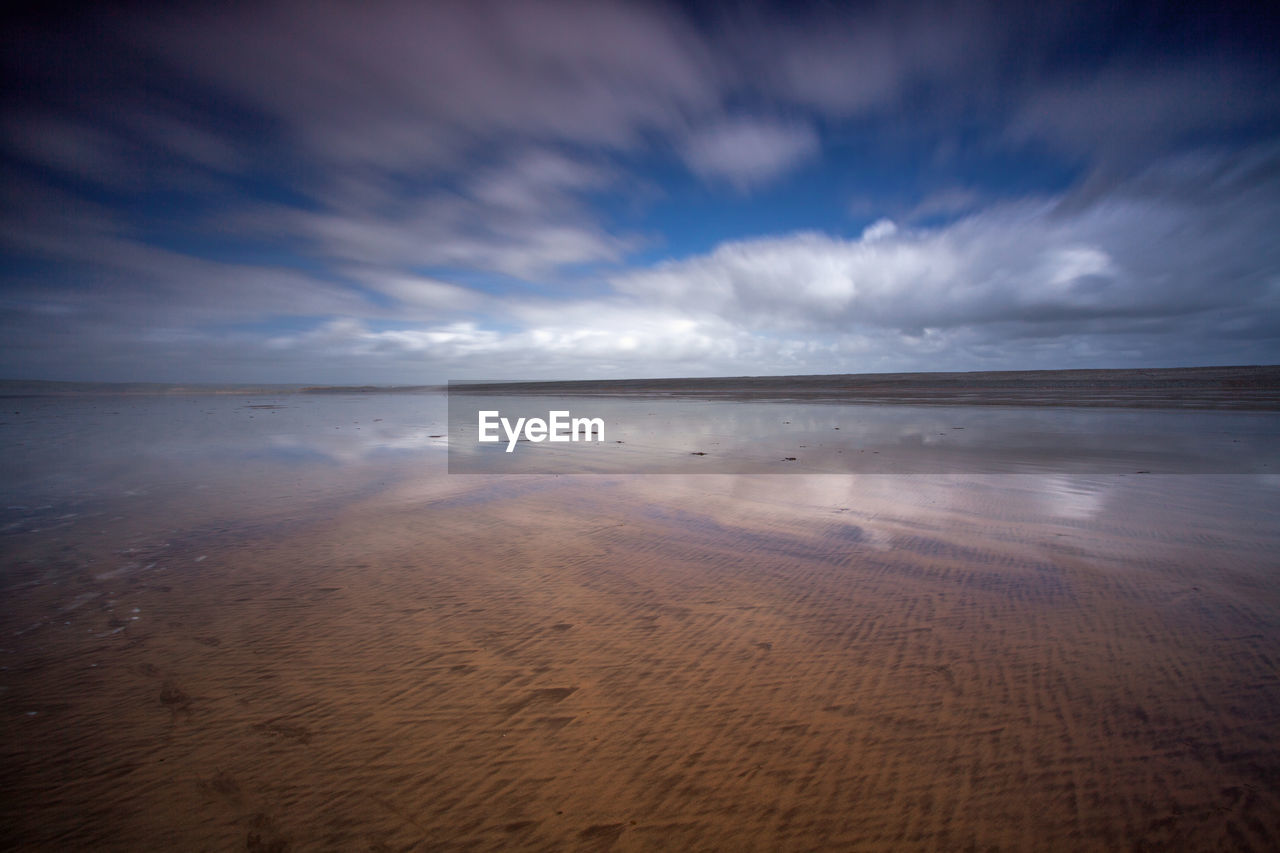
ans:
x=414 y=192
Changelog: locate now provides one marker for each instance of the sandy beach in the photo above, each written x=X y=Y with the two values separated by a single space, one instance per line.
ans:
x=640 y=425
x=650 y=663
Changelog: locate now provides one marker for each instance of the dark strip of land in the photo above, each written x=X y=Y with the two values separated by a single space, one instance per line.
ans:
x=50 y=388
x=1255 y=388
x=1243 y=388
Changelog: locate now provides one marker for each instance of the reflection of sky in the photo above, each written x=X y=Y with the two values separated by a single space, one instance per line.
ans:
x=126 y=443
x=222 y=462
x=1071 y=497
x=353 y=446
x=122 y=444
x=748 y=500
x=131 y=441
x=1094 y=516
x=661 y=435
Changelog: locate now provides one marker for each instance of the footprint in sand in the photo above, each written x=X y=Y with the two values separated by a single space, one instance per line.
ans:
x=174 y=698
x=289 y=731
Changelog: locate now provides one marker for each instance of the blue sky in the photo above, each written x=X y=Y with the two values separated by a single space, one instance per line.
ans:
x=411 y=192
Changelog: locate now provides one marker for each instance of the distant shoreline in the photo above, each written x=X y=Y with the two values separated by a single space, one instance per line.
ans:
x=1254 y=388
x=1247 y=388
x=15 y=388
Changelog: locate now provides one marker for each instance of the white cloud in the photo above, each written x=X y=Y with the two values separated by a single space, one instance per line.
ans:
x=555 y=336
x=881 y=229
x=424 y=292
x=750 y=152
x=1151 y=273
x=1038 y=283
x=524 y=216
x=1040 y=267
x=417 y=137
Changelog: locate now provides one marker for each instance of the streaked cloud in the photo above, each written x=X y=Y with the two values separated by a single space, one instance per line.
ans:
x=407 y=192
x=750 y=153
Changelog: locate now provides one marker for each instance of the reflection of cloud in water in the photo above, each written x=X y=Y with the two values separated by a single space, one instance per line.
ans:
x=658 y=436
x=881 y=506
x=1092 y=516
x=356 y=446
x=797 y=501
x=1073 y=497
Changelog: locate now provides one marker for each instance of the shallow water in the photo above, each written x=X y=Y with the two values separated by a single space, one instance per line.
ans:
x=657 y=435
x=232 y=627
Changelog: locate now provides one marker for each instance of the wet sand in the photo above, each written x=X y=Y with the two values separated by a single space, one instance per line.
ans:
x=650 y=663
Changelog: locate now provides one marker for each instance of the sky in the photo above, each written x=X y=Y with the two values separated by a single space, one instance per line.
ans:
x=411 y=192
